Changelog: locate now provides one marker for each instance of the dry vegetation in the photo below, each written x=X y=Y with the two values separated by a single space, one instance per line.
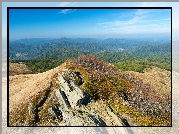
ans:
x=18 y=68
x=25 y=87
x=101 y=80
x=158 y=78
x=132 y=95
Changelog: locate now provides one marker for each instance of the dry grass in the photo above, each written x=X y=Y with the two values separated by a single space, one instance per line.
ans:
x=147 y=130
x=22 y=87
x=158 y=78
x=18 y=68
x=34 y=86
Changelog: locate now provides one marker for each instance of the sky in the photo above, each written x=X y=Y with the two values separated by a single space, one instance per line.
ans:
x=95 y=23
x=115 y=24
x=106 y=24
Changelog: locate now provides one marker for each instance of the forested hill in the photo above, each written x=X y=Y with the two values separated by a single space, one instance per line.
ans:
x=25 y=49
x=112 y=50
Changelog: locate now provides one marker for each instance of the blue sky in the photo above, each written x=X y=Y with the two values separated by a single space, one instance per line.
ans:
x=105 y=23
x=112 y=25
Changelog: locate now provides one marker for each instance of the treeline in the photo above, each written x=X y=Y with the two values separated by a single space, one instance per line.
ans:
x=125 y=63
x=129 y=62
x=27 y=49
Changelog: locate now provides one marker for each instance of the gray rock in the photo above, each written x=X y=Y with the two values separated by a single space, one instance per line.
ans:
x=56 y=112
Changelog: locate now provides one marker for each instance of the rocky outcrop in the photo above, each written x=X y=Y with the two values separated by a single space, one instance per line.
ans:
x=74 y=95
x=56 y=112
x=63 y=98
x=71 y=97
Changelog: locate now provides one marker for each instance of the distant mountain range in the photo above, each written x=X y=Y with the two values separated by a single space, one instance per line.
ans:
x=34 y=48
x=127 y=53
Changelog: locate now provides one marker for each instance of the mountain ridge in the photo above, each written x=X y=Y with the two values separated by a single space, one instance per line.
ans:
x=100 y=80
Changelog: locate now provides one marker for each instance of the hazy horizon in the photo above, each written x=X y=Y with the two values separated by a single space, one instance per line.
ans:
x=100 y=38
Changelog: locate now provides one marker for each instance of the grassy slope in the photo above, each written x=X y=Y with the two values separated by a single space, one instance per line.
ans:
x=25 y=87
x=104 y=87
x=18 y=68
x=99 y=86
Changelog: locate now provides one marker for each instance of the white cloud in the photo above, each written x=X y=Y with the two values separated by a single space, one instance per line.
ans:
x=67 y=11
x=141 y=22
x=121 y=23
x=65 y=4
x=139 y=17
